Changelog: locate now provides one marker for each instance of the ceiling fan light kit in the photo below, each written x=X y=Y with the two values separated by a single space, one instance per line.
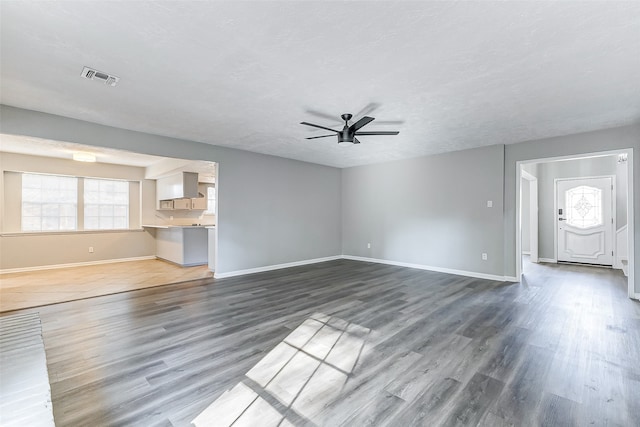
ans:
x=349 y=133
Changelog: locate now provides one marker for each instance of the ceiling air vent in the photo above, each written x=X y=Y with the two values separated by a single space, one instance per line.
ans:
x=91 y=74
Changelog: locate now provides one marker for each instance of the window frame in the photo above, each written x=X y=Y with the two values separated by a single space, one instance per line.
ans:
x=133 y=205
x=100 y=204
x=42 y=201
x=211 y=200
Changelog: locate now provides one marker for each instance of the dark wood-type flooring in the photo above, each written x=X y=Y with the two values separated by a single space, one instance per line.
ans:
x=351 y=343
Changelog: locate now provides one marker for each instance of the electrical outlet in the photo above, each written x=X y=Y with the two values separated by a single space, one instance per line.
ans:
x=90 y=249
x=489 y=203
x=484 y=256
x=368 y=245
x=170 y=217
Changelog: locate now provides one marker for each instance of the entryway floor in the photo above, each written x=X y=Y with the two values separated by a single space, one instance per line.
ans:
x=43 y=287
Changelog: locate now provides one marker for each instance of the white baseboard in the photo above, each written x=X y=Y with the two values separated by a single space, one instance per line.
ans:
x=431 y=268
x=513 y=279
x=549 y=260
x=274 y=267
x=74 y=264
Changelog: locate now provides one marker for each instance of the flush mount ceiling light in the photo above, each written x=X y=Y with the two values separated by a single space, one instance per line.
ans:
x=84 y=157
x=99 y=76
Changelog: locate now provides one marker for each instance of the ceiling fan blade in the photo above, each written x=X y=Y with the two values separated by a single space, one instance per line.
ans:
x=389 y=122
x=368 y=109
x=363 y=121
x=394 y=132
x=355 y=141
x=321 y=136
x=325 y=116
x=319 y=127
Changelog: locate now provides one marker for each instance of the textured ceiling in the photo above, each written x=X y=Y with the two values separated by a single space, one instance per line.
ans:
x=447 y=75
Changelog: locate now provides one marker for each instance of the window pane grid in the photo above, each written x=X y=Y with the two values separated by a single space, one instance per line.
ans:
x=49 y=202
x=106 y=204
x=211 y=201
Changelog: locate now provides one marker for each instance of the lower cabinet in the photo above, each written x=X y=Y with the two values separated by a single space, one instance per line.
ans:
x=184 y=246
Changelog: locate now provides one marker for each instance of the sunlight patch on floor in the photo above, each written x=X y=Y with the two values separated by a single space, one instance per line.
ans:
x=294 y=381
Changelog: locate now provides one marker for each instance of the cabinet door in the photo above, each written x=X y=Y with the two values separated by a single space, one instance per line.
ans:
x=182 y=204
x=199 y=203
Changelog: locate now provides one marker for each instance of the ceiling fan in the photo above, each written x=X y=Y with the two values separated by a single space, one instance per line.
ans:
x=349 y=133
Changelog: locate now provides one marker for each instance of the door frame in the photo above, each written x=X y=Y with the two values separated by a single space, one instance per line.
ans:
x=630 y=209
x=533 y=216
x=613 y=212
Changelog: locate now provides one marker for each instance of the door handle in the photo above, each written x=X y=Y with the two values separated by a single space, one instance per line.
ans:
x=561 y=219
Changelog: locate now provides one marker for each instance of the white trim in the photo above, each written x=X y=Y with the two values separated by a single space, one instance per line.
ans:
x=526 y=252
x=533 y=217
x=550 y=260
x=365 y=259
x=630 y=226
x=274 y=267
x=617 y=260
x=431 y=268
x=74 y=264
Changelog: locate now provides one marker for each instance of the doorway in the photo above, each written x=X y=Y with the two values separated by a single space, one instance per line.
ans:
x=529 y=215
x=564 y=167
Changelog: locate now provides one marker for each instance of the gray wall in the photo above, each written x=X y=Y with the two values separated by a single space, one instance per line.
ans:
x=548 y=173
x=428 y=210
x=570 y=145
x=34 y=250
x=271 y=210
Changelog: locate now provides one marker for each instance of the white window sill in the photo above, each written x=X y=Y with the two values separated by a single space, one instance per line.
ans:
x=50 y=233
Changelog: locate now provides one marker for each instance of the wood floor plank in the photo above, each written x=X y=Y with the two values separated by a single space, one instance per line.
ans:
x=394 y=346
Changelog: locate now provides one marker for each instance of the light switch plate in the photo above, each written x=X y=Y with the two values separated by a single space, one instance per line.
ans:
x=489 y=203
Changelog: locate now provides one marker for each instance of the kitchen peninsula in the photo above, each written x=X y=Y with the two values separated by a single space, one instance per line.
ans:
x=185 y=245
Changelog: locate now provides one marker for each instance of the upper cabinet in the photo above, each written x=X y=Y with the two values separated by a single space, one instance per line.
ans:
x=199 y=204
x=182 y=185
x=179 y=192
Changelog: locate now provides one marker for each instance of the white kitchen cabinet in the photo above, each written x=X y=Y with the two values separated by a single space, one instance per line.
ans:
x=182 y=185
x=182 y=204
x=199 y=203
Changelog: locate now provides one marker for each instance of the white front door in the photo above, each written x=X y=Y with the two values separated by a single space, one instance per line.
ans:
x=584 y=220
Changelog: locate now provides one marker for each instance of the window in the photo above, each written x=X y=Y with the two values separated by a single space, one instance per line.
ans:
x=63 y=203
x=584 y=206
x=106 y=204
x=211 y=201
x=49 y=202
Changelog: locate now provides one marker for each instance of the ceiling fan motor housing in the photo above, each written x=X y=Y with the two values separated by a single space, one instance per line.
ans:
x=345 y=135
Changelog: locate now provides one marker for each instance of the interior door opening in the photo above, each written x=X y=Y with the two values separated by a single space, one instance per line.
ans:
x=582 y=241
